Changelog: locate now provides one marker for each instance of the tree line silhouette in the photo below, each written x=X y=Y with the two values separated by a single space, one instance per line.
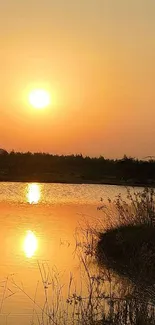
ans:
x=44 y=167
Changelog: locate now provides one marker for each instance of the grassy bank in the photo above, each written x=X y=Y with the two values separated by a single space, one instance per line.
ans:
x=127 y=246
x=130 y=251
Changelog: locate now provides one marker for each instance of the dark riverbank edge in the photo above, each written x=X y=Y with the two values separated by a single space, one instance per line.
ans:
x=76 y=182
x=129 y=250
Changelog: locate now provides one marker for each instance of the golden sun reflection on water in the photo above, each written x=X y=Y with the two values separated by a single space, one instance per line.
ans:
x=30 y=244
x=33 y=193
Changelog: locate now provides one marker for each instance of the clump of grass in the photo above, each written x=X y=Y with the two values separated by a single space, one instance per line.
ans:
x=137 y=209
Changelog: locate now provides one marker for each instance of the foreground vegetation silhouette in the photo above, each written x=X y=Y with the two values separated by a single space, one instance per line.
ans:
x=43 y=167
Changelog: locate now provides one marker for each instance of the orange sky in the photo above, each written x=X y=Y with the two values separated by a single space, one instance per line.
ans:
x=97 y=59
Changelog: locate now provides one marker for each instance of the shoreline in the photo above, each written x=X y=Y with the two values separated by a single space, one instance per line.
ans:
x=79 y=182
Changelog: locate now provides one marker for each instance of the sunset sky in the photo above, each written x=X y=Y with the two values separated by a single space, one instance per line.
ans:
x=96 y=59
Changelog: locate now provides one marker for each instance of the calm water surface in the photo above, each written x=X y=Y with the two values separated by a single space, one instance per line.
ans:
x=38 y=223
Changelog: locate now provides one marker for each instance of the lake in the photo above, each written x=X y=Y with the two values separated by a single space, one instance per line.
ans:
x=38 y=223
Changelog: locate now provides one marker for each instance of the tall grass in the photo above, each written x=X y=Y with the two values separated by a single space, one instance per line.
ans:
x=136 y=209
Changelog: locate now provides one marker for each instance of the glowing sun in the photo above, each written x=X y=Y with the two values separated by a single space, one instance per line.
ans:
x=39 y=98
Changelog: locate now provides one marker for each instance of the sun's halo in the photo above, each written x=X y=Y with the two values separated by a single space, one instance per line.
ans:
x=39 y=98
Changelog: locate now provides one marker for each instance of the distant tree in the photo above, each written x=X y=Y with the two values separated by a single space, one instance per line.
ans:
x=3 y=152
